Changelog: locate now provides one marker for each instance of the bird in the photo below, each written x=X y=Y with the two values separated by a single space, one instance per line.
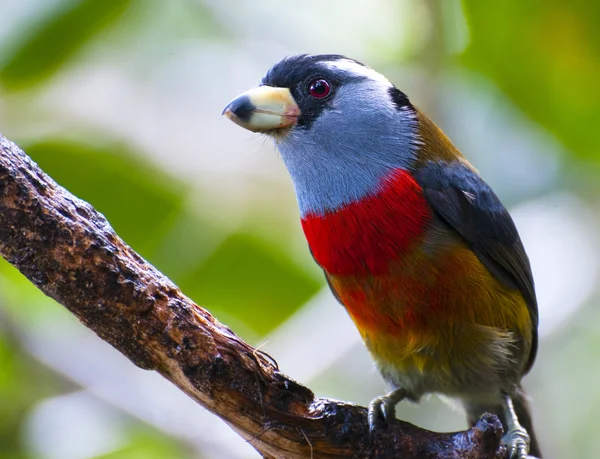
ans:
x=412 y=241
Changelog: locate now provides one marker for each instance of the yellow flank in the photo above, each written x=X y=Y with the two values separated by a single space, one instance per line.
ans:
x=437 y=313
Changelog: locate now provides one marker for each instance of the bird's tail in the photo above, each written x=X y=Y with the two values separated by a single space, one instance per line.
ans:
x=522 y=410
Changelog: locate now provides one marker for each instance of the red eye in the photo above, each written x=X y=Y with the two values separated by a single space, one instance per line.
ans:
x=319 y=88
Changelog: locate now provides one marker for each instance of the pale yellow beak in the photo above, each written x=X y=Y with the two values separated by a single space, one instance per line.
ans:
x=263 y=109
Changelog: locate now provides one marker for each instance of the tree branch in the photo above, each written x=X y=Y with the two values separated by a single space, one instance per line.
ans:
x=71 y=253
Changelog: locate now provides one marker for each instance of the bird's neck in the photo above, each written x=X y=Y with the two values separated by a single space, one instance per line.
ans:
x=365 y=236
x=332 y=168
x=360 y=205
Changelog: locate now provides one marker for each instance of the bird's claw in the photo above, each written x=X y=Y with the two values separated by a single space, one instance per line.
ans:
x=382 y=411
x=517 y=442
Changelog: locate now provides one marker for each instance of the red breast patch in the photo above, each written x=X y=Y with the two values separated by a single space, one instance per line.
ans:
x=364 y=236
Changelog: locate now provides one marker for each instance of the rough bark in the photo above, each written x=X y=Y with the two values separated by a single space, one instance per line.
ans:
x=71 y=253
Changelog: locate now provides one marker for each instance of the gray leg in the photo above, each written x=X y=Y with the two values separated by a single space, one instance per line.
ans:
x=516 y=437
x=382 y=410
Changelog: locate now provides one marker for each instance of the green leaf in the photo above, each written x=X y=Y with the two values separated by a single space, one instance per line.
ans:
x=545 y=56
x=55 y=39
x=248 y=279
x=147 y=443
x=139 y=201
x=23 y=382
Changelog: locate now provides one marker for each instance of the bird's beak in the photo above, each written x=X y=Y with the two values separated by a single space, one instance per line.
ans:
x=264 y=108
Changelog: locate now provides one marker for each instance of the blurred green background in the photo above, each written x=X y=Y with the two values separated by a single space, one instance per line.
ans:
x=120 y=102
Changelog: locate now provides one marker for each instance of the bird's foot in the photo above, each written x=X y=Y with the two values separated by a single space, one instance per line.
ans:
x=517 y=443
x=382 y=410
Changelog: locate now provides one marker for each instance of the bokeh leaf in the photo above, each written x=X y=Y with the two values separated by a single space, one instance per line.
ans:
x=23 y=382
x=248 y=279
x=545 y=56
x=147 y=443
x=140 y=201
x=56 y=38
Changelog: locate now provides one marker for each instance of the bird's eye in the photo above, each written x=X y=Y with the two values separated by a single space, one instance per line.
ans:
x=319 y=88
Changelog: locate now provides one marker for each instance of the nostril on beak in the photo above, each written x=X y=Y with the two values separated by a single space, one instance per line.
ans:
x=241 y=107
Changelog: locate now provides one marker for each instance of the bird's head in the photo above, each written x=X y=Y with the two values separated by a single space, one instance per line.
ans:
x=340 y=127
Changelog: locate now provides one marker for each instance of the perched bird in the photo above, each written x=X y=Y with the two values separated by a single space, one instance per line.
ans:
x=413 y=242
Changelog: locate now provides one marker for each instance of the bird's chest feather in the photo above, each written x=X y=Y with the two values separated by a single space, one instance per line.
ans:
x=414 y=289
x=371 y=252
x=364 y=237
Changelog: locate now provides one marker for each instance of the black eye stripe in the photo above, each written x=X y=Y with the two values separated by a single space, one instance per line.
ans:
x=298 y=72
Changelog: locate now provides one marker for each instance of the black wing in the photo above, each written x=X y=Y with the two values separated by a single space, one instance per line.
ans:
x=464 y=201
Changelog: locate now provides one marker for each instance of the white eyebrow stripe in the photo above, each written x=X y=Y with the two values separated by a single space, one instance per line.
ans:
x=357 y=69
